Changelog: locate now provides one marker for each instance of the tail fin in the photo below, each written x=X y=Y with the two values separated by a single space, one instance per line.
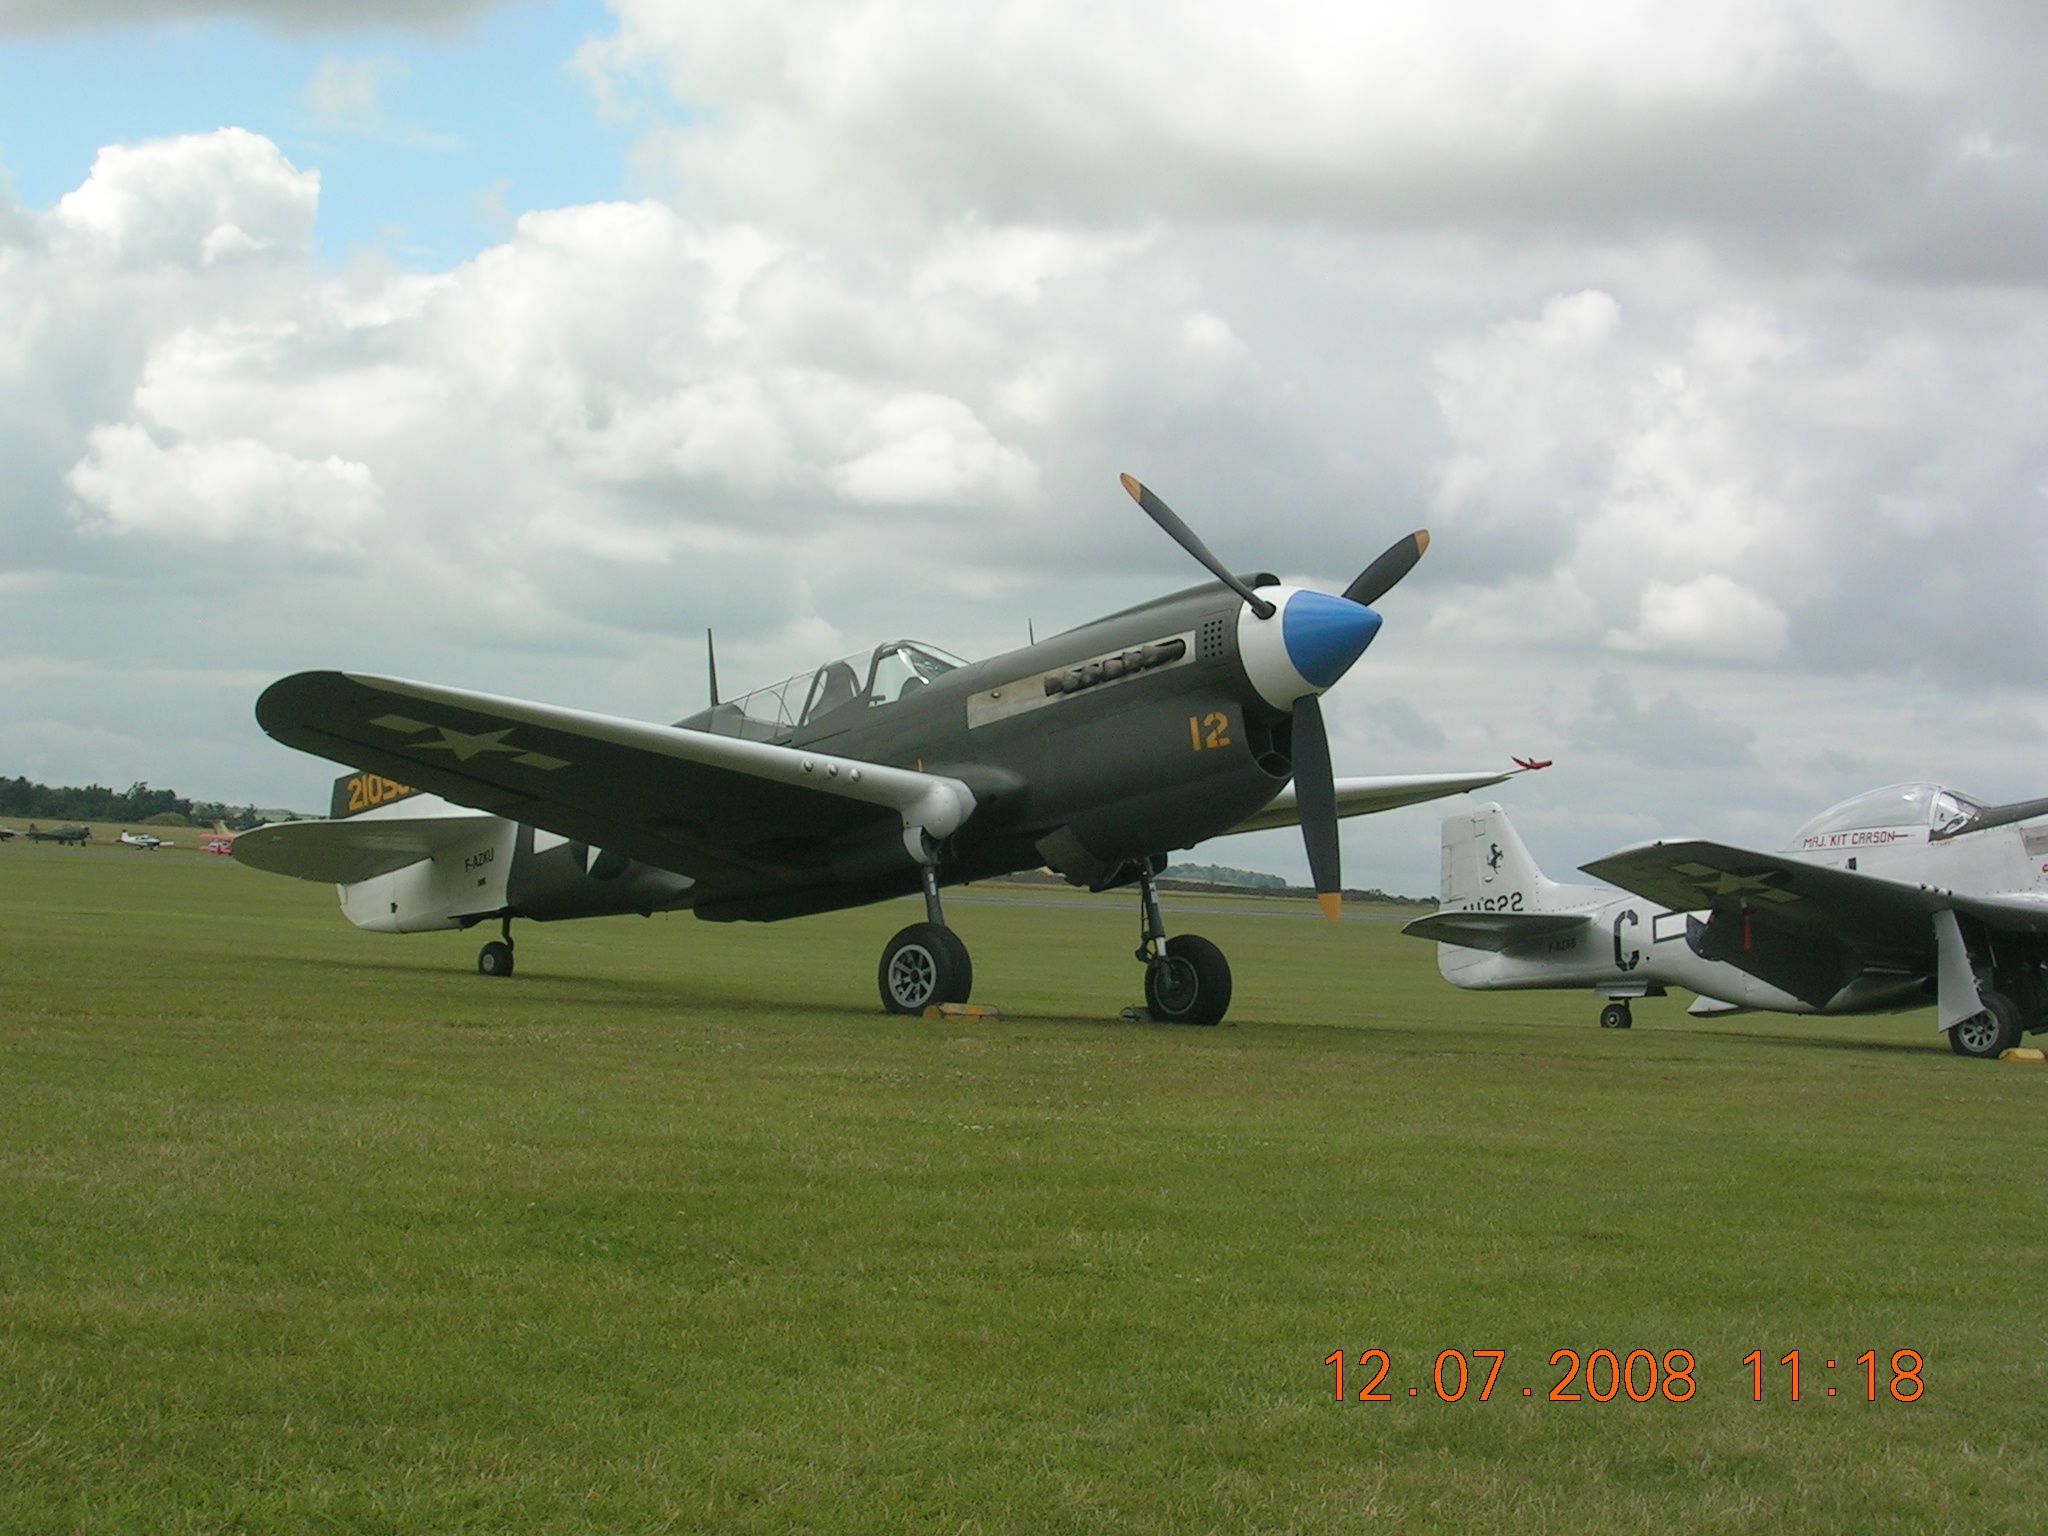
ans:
x=355 y=793
x=1487 y=868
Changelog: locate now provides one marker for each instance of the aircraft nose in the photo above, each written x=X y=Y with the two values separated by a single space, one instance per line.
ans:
x=1325 y=635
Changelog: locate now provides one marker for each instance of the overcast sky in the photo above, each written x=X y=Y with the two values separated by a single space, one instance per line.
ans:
x=510 y=345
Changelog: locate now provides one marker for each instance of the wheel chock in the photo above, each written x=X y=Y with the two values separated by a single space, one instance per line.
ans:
x=2022 y=1053
x=972 y=1013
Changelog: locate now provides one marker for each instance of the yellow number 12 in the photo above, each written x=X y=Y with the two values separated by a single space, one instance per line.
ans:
x=1207 y=732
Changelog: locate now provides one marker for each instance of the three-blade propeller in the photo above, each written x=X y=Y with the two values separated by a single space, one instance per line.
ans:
x=1315 y=786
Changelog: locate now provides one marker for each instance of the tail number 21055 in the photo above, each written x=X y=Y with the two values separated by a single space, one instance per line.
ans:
x=1208 y=732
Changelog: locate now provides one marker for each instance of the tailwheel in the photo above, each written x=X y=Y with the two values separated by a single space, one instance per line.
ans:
x=1991 y=1033
x=1188 y=982
x=1616 y=1016
x=924 y=965
x=495 y=958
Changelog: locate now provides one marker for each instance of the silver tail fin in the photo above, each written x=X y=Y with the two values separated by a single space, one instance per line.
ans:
x=1487 y=868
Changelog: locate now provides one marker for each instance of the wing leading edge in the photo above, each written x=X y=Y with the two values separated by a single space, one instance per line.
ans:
x=1383 y=792
x=682 y=800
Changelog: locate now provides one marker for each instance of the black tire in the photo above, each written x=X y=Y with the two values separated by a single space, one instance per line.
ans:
x=1189 y=983
x=494 y=959
x=1990 y=1033
x=922 y=966
x=1616 y=1016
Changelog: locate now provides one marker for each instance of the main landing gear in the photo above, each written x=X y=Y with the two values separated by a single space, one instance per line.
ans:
x=1991 y=1033
x=1187 y=980
x=925 y=964
x=495 y=958
x=1616 y=1016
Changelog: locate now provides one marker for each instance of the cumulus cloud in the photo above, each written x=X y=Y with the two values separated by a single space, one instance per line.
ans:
x=931 y=451
x=1709 y=617
x=199 y=199
x=1810 y=117
x=1724 y=483
x=220 y=492
x=1713 y=358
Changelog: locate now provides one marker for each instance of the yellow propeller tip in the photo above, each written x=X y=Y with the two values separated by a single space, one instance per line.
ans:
x=1421 y=541
x=1332 y=903
x=1130 y=484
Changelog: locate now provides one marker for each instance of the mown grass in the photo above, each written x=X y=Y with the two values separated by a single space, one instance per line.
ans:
x=302 y=1228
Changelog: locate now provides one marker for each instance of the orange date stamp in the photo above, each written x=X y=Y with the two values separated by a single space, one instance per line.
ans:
x=1636 y=1376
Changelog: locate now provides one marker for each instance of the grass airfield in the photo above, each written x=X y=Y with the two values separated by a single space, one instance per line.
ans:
x=303 y=1228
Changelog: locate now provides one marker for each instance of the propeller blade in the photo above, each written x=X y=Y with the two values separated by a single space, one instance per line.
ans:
x=1315 y=797
x=1377 y=579
x=711 y=661
x=1185 y=537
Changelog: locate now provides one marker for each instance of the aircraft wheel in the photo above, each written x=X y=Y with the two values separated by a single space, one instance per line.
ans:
x=923 y=965
x=1994 y=1030
x=1189 y=983
x=495 y=959
x=1616 y=1016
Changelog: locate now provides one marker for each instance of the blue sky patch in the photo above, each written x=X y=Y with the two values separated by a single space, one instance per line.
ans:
x=428 y=145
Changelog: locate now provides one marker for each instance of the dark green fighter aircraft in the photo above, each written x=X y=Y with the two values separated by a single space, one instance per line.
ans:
x=893 y=771
x=71 y=834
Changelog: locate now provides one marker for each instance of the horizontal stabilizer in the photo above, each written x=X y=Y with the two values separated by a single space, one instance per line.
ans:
x=360 y=848
x=1494 y=930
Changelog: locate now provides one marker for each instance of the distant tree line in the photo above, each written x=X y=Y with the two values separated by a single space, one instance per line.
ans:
x=95 y=802
x=1186 y=876
x=1223 y=874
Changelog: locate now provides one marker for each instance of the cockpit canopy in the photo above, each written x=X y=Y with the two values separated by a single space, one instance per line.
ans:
x=1897 y=806
x=864 y=680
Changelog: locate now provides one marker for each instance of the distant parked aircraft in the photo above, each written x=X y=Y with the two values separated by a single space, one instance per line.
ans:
x=145 y=841
x=1894 y=899
x=69 y=833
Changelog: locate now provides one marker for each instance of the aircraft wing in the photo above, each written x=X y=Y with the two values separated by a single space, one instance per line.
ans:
x=1869 y=913
x=1494 y=930
x=1384 y=792
x=1807 y=929
x=358 y=848
x=688 y=801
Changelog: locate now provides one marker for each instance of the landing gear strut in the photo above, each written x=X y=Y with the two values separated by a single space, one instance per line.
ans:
x=926 y=963
x=1616 y=1015
x=495 y=958
x=1187 y=980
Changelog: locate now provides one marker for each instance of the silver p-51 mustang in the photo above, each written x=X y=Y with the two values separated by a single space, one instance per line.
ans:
x=1893 y=899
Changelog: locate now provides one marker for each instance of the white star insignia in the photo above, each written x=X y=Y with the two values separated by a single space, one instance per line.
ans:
x=468 y=744
x=1722 y=882
x=465 y=746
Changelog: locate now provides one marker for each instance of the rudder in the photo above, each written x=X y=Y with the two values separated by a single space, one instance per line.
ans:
x=1487 y=867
